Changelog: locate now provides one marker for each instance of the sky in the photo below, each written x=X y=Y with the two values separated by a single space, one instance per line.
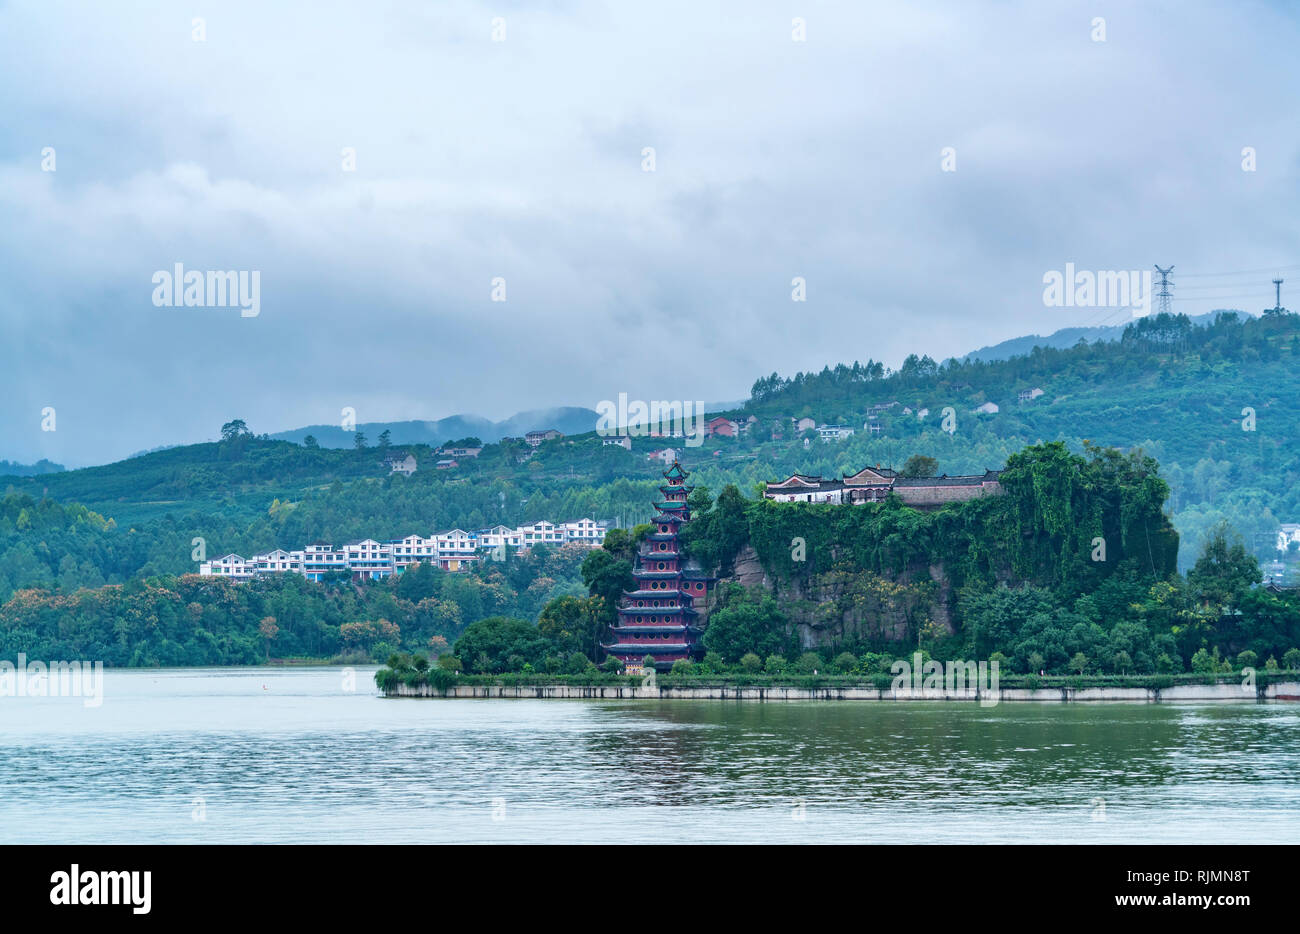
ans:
x=920 y=167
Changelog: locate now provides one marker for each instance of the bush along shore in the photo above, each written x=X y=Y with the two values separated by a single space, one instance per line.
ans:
x=406 y=676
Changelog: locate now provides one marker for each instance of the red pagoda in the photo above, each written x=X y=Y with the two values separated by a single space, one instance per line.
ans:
x=661 y=617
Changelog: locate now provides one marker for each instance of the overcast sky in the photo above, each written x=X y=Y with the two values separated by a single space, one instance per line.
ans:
x=523 y=159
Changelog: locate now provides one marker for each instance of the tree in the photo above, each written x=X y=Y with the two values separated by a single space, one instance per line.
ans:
x=359 y=440
x=1079 y=662
x=809 y=662
x=497 y=638
x=310 y=442
x=574 y=624
x=748 y=622
x=607 y=577
x=1224 y=571
x=919 y=465
x=384 y=439
x=233 y=429
x=751 y=662
x=1291 y=658
x=846 y=662
x=268 y=631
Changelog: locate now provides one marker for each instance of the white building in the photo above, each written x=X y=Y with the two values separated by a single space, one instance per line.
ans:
x=232 y=566
x=400 y=464
x=585 y=531
x=988 y=408
x=835 y=432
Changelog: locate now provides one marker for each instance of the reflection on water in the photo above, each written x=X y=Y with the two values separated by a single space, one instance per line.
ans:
x=237 y=755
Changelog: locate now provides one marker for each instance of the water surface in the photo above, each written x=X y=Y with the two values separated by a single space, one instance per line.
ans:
x=294 y=756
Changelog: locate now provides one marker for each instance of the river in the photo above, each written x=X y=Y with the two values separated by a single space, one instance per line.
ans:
x=317 y=756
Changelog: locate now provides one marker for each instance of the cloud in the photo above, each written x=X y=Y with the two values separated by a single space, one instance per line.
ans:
x=522 y=159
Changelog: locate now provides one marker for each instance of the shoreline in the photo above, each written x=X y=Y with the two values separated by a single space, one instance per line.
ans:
x=1281 y=691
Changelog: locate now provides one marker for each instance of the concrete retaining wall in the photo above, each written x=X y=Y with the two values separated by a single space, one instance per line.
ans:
x=1182 y=692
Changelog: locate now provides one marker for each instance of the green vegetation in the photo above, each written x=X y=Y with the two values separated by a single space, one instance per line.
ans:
x=1180 y=393
x=193 y=620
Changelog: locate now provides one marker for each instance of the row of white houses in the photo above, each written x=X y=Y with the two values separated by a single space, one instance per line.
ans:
x=368 y=559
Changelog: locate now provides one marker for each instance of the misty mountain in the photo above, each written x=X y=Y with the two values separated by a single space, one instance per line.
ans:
x=13 y=469
x=1068 y=337
x=569 y=420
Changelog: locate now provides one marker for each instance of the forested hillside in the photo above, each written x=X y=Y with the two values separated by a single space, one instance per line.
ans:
x=1213 y=405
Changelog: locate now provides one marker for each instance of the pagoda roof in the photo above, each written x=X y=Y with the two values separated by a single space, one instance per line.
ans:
x=647 y=648
x=655 y=610
x=676 y=627
x=660 y=594
x=669 y=517
x=676 y=472
x=670 y=504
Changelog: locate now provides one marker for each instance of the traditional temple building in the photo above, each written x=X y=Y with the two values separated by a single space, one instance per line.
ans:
x=872 y=485
x=662 y=616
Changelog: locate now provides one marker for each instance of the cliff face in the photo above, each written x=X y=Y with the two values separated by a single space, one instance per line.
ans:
x=837 y=606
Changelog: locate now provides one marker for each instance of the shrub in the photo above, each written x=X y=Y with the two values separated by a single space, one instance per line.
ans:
x=882 y=682
x=441 y=679
x=809 y=662
x=1291 y=658
x=752 y=663
x=1247 y=659
x=713 y=662
x=449 y=663
x=774 y=664
x=846 y=662
x=576 y=664
x=683 y=666
x=612 y=665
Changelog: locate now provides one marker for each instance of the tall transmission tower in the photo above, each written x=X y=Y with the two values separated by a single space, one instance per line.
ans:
x=1165 y=296
x=1277 y=287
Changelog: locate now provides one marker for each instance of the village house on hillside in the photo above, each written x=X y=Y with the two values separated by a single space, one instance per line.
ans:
x=1029 y=395
x=370 y=559
x=401 y=463
x=834 y=432
x=459 y=451
x=874 y=484
x=721 y=427
x=534 y=438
